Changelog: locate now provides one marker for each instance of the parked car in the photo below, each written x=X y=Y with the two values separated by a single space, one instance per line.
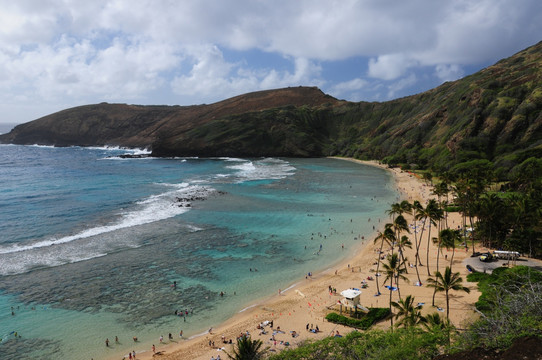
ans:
x=485 y=257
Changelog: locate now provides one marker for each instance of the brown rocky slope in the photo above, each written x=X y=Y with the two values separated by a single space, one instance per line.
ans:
x=142 y=126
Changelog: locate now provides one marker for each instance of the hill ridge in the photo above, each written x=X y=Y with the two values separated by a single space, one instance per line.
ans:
x=493 y=114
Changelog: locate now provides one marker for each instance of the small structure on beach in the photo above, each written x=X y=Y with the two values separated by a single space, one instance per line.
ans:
x=351 y=297
x=351 y=301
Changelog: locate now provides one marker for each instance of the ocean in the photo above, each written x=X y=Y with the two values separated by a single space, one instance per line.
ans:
x=94 y=245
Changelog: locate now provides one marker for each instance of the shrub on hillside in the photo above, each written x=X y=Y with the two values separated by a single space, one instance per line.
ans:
x=374 y=315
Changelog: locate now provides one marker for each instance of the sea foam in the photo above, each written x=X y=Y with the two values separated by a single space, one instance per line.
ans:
x=19 y=258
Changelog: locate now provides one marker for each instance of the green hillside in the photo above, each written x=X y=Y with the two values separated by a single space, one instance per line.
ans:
x=493 y=115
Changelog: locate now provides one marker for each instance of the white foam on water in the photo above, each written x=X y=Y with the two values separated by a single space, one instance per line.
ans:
x=264 y=169
x=42 y=146
x=289 y=287
x=57 y=251
x=154 y=208
x=248 y=307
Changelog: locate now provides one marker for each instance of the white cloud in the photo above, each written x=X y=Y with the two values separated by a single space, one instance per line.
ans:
x=151 y=51
x=399 y=85
x=348 y=87
x=448 y=72
x=212 y=78
x=389 y=67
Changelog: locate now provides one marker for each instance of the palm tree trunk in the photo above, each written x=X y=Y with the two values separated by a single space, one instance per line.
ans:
x=428 y=243
x=378 y=267
x=419 y=244
x=447 y=306
x=438 y=256
x=402 y=259
x=391 y=285
x=398 y=290
x=471 y=233
x=417 y=256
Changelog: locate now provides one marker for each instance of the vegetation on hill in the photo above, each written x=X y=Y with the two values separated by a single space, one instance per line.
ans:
x=492 y=115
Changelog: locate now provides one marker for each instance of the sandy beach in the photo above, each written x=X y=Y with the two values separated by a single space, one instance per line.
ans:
x=306 y=302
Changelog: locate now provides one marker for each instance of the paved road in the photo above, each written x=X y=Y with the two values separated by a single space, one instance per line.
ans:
x=489 y=266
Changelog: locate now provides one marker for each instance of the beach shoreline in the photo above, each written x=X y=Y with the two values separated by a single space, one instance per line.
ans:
x=305 y=302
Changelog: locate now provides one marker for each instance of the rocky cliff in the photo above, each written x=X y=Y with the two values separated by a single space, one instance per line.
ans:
x=161 y=127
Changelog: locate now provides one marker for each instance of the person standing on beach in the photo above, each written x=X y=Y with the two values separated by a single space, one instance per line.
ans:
x=153 y=349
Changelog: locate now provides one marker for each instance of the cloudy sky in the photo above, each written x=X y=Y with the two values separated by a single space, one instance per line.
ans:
x=56 y=54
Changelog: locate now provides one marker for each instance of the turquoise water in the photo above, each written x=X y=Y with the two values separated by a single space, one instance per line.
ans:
x=91 y=244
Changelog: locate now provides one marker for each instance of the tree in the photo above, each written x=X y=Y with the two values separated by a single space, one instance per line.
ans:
x=394 y=270
x=431 y=213
x=428 y=177
x=447 y=282
x=434 y=323
x=417 y=208
x=388 y=236
x=442 y=189
x=525 y=213
x=492 y=214
x=400 y=208
x=404 y=242
x=411 y=314
x=527 y=173
x=247 y=349
x=448 y=238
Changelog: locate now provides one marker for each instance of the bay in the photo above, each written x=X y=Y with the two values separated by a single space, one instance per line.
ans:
x=91 y=244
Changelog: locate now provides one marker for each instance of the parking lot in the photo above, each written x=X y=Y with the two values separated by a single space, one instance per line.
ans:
x=488 y=266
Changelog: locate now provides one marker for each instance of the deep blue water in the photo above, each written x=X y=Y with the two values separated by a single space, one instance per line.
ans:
x=90 y=244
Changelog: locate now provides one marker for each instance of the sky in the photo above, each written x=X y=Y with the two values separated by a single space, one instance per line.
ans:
x=57 y=54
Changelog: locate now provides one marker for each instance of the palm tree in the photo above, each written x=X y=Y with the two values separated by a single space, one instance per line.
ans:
x=247 y=349
x=417 y=208
x=447 y=282
x=433 y=212
x=442 y=189
x=400 y=224
x=394 y=210
x=434 y=323
x=394 y=270
x=400 y=208
x=491 y=211
x=424 y=214
x=387 y=236
x=411 y=314
x=403 y=243
x=448 y=238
